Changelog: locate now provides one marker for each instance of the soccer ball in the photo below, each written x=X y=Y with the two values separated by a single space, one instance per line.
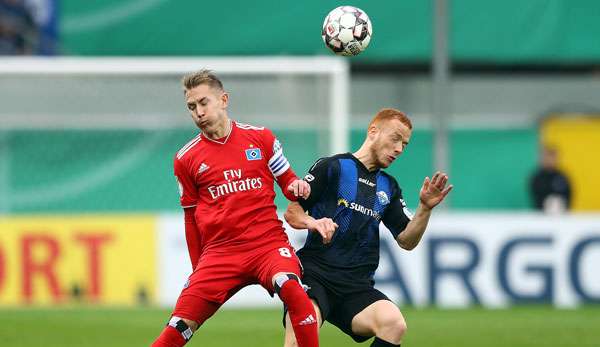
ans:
x=347 y=30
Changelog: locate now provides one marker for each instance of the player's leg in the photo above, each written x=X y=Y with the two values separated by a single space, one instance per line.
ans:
x=213 y=282
x=303 y=317
x=321 y=299
x=278 y=270
x=179 y=330
x=383 y=320
x=290 y=337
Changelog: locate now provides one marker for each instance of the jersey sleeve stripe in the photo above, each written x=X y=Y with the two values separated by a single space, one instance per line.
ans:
x=248 y=126
x=188 y=146
x=190 y=142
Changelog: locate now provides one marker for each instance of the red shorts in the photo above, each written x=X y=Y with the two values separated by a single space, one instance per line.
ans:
x=219 y=275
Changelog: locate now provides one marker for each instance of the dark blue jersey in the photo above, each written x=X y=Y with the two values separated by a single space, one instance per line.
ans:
x=357 y=200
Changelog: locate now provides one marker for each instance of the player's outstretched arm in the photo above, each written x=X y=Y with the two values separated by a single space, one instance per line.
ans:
x=298 y=219
x=432 y=194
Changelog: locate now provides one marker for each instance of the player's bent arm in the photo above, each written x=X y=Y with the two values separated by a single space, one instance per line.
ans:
x=298 y=219
x=432 y=193
x=412 y=234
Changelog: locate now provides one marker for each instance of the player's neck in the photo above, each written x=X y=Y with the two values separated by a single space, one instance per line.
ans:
x=364 y=156
x=222 y=129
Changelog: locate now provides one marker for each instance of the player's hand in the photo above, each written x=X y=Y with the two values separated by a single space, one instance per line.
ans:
x=434 y=191
x=324 y=226
x=300 y=188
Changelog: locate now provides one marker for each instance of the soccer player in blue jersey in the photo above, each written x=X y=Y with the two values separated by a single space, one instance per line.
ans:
x=350 y=196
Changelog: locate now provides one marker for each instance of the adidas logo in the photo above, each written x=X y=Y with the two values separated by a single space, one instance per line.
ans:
x=308 y=320
x=203 y=167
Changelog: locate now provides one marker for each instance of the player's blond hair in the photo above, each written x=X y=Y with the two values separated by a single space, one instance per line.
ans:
x=197 y=78
x=386 y=114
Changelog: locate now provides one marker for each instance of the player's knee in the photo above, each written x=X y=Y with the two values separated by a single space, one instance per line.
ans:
x=400 y=328
x=282 y=279
x=185 y=327
x=191 y=324
x=393 y=327
x=291 y=291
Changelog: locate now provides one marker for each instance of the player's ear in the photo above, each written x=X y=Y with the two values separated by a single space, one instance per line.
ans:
x=372 y=132
x=225 y=99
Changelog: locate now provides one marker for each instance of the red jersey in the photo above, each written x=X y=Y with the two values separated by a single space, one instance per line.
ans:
x=231 y=183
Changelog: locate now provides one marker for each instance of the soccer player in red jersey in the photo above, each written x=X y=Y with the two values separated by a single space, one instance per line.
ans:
x=226 y=178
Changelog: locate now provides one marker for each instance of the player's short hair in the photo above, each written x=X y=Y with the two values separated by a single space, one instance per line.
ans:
x=387 y=114
x=197 y=78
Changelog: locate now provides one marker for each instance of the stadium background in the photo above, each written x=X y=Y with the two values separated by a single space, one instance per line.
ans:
x=89 y=217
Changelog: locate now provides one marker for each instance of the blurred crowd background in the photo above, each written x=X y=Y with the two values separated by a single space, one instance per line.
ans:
x=28 y=27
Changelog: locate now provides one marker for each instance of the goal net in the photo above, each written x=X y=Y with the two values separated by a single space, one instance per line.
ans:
x=99 y=134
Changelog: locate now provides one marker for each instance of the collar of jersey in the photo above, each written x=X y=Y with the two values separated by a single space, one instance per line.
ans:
x=360 y=164
x=231 y=125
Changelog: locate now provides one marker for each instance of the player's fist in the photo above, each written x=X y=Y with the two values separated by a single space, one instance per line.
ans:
x=300 y=188
x=435 y=190
x=324 y=226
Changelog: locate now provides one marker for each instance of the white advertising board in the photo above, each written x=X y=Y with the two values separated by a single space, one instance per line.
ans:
x=493 y=260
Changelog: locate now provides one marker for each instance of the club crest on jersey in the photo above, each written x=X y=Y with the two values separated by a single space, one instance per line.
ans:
x=383 y=198
x=253 y=154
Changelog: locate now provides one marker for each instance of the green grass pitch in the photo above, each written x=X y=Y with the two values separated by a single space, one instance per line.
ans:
x=529 y=326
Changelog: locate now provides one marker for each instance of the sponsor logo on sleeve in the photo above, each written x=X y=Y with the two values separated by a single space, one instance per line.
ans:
x=405 y=209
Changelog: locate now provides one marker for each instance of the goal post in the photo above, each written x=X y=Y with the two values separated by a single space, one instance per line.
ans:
x=78 y=134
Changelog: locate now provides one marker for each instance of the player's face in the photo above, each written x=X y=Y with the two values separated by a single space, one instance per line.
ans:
x=207 y=107
x=391 y=139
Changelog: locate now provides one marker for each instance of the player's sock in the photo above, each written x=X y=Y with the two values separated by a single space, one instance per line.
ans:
x=169 y=337
x=175 y=334
x=382 y=343
x=301 y=311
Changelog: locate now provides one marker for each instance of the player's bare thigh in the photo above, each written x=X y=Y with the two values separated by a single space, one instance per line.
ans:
x=290 y=338
x=382 y=319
